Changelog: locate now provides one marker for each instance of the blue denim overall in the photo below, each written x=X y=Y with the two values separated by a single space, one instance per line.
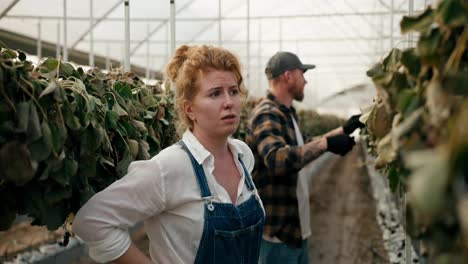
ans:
x=231 y=234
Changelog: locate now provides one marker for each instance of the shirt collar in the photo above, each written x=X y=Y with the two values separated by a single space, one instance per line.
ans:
x=200 y=153
x=283 y=108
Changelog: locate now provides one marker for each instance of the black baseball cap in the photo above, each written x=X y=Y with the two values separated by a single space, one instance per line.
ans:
x=285 y=61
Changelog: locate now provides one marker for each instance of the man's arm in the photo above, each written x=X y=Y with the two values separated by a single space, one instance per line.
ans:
x=313 y=149
x=278 y=156
x=334 y=132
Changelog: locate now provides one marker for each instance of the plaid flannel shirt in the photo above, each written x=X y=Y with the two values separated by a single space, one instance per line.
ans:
x=278 y=160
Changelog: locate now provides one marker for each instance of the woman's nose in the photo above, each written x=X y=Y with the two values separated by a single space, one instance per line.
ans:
x=228 y=102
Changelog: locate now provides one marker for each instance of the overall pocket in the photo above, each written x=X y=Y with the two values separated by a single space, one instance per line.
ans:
x=238 y=247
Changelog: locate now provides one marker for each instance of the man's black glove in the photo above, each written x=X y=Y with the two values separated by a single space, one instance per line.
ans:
x=340 y=144
x=352 y=124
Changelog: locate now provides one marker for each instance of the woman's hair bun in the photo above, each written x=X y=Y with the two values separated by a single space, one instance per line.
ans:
x=177 y=61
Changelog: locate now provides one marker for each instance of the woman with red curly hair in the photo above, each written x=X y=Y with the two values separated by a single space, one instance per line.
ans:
x=196 y=197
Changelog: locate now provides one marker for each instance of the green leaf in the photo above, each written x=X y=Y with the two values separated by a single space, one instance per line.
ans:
x=66 y=70
x=130 y=129
x=149 y=101
x=392 y=61
x=123 y=164
x=428 y=44
x=51 y=87
x=411 y=62
x=110 y=100
x=428 y=183
x=22 y=116
x=34 y=125
x=140 y=126
x=87 y=165
x=154 y=144
x=57 y=195
x=408 y=101
x=58 y=136
x=451 y=13
x=394 y=178
x=70 y=119
x=419 y=23
x=90 y=140
x=10 y=53
x=106 y=145
x=68 y=171
x=111 y=120
x=143 y=150
x=165 y=122
x=42 y=148
x=456 y=83
x=15 y=161
x=119 y=110
x=133 y=147
x=123 y=89
x=121 y=129
x=48 y=68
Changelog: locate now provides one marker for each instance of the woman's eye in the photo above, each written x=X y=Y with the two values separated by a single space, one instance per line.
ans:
x=215 y=94
x=234 y=91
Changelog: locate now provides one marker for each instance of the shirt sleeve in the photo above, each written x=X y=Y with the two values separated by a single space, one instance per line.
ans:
x=279 y=158
x=104 y=220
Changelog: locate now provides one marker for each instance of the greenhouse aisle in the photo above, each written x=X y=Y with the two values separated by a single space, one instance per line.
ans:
x=343 y=216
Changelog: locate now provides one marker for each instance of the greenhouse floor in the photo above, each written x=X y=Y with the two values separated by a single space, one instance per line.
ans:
x=343 y=216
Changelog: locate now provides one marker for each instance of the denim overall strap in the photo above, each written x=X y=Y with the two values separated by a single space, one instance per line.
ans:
x=199 y=172
x=248 y=179
x=231 y=233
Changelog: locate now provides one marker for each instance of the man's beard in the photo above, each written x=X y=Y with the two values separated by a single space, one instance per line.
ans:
x=298 y=96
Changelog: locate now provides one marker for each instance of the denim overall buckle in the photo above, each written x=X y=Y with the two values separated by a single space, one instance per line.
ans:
x=209 y=202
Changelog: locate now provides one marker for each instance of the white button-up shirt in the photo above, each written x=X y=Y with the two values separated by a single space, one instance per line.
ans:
x=164 y=192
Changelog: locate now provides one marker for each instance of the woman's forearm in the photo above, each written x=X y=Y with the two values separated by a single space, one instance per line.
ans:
x=133 y=255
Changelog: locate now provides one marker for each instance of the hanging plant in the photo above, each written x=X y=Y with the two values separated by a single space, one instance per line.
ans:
x=417 y=128
x=66 y=134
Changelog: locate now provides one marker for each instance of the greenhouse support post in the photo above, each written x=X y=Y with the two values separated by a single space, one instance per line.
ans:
x=392 y=7
x=39 y=41
x=164 y=23
x=65 y=44
x=57 y=43
x=381 y=49
x=172 y=16
x=108 y=66
x=168 y=46
x=280 y=32
x=259 y=55
x=91 y=36
x=220 y=33
x=82 y=36
x=172 y=19
x=127 y=36
x=248 y=44
x=147 y=53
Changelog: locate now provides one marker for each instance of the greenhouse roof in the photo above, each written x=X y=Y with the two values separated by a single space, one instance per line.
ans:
x=344 y=38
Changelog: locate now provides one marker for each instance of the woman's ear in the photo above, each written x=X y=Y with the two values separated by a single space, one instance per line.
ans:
x=188 y=110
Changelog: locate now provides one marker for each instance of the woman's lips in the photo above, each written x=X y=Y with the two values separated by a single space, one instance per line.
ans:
x=228 y=117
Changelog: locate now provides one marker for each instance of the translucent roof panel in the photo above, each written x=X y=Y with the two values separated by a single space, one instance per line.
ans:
x=343 y=38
